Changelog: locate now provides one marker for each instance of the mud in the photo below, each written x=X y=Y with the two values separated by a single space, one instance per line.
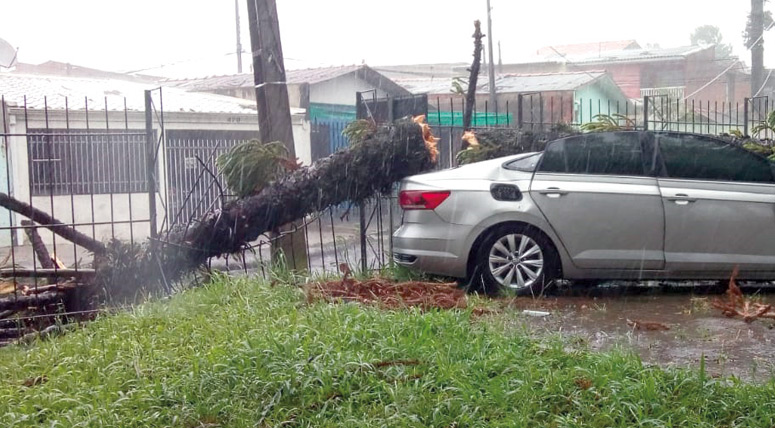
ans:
x=598 y=318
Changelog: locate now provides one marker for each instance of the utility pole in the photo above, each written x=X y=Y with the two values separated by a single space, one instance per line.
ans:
x=274 y=113
x=239 y=42
x=491 y=66
x=757 y=49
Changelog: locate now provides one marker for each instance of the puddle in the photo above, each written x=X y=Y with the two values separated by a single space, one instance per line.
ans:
x=599 y=317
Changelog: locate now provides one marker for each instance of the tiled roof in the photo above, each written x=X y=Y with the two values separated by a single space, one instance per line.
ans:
x=245 y=80
x=624 y=55
x=420 y=71
x=509 y=83
x=441 y=85
x=317 y=75
x=53 y=90
x=585 y=48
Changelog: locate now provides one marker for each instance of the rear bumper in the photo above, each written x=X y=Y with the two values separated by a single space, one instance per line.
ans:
x=432 y=248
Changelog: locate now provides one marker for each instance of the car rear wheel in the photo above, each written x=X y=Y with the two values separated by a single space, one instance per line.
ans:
x=516 y=260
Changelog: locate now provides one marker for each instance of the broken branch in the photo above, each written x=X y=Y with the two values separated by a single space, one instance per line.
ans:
x=24 y=302
x=37 y=245
x=51 y=223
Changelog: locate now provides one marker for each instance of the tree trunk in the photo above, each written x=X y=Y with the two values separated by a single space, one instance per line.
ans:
x=356 y=174
x=51 y=224
x=395 y=151
x=37 y=245
x=24 y=302
x=473 y=76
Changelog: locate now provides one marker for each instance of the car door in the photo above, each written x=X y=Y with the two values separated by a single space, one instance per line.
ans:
x=601 y=197
x=719 y=205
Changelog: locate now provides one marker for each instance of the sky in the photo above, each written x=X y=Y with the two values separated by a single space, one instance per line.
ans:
x=189 y=38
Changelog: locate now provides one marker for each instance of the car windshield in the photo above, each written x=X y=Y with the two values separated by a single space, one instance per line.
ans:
x=526 y=164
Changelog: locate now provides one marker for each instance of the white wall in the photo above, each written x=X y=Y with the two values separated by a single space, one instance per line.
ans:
x=340 y=90
x=103 y=211
x=301 y=141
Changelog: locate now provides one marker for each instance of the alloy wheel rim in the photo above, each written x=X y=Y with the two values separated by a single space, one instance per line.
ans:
x=516 y=261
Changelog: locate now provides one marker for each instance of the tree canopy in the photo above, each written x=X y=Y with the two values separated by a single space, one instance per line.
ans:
x=706 y=35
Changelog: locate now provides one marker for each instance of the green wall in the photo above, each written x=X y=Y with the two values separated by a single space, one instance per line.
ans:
x=599 y=97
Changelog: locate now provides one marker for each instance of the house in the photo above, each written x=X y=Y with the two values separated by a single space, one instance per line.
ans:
x=679 y=72
x=326 y=93
x=77 y=148
x=547 y=98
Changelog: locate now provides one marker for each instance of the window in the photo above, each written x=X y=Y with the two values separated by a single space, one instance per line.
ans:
x=701 y=158
x=554 y=157
x=599 y=154
x=75 y=162
x=527 y=164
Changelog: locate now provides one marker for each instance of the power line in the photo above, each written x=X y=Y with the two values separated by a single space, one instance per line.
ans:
x=763 y=84
x=713 y=79
x=761 y=36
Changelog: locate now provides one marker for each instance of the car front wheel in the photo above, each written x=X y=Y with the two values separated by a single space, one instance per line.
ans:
x=516 y=260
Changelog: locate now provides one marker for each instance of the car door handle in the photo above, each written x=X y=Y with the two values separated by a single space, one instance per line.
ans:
x=552 y=192
x=681 y=199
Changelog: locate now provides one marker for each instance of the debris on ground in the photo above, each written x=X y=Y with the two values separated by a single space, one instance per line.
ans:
x=390 y=294
x=35 y=381
x=583 y=383
x=647 y=325
x=737 y=305
x=536 y=313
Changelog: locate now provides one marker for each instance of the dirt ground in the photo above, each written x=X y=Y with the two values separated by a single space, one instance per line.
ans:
x=598 y=317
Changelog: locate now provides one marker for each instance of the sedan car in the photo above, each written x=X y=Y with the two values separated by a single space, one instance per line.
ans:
x=619 y=205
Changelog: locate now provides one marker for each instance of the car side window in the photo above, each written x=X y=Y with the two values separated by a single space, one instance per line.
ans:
x=600 y=154
x=554 y=157
x=527 y=164
x=699 y=158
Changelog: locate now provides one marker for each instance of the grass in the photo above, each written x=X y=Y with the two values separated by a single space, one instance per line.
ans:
x=240 y=353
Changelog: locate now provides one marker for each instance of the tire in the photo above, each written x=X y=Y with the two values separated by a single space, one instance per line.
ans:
x=515 y=260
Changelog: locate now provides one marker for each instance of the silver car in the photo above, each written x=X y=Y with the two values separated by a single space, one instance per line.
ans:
x=620 y=205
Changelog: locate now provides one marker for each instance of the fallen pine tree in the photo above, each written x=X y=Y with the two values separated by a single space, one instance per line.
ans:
x=485 y=144
x=123 y=271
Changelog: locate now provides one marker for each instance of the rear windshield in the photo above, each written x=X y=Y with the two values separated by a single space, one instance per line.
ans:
x=527 y=164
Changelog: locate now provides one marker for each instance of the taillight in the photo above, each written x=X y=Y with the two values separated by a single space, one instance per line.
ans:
x=421 y=199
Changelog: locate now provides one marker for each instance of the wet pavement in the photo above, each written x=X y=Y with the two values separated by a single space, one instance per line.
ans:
x=598 y=319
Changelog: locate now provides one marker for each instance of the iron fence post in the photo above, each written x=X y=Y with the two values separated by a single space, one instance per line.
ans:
x=746 y=101
x=150 y=148
x=646 y=113
x=362 y=233
x=519 y=111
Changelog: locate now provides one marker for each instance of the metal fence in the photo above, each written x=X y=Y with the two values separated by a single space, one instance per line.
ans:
x=121 y=174
x=81 y=162
x=541 y=112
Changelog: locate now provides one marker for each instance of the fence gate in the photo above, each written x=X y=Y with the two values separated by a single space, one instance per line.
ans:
x=382 y=110
x=193 y=180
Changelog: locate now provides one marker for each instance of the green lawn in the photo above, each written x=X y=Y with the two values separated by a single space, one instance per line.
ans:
x=241 y=353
